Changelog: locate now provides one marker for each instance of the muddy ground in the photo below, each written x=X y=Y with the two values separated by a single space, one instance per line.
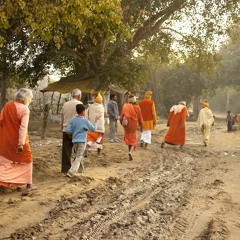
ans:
x=166 y=194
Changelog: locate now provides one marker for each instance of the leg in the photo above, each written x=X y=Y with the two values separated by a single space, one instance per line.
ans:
x=115 y=130
x=162 y=145
x=111 y=130
x=66 y=153
x=86 y=151
x=78 y=162
x=130 y=148
x=99 y=151
x=206 y=135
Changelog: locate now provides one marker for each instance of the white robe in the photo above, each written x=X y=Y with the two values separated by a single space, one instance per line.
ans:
x=205 y=119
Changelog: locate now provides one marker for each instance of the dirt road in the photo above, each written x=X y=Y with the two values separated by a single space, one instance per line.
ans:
x=189 y=194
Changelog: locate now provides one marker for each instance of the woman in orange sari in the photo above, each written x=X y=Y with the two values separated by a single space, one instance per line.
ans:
x=131 y=119
x=15 y=152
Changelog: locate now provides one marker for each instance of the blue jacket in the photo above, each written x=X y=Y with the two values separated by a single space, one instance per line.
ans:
x=78 y=127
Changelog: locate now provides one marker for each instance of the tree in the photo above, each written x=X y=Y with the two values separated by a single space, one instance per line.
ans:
x=92 y=36
x=35 y=34
x=228 y=69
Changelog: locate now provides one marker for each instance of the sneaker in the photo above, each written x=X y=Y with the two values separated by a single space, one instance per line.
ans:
x=69 y=174
x=111 y=141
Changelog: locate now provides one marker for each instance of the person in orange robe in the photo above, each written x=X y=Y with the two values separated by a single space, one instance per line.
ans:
x=132 y=113
x=149 y=115
x=176 y=134
x=15 y=152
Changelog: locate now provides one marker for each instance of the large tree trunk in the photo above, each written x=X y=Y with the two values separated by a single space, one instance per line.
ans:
x=196 y=106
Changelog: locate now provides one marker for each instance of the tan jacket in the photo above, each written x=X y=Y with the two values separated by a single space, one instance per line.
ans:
x=67 y=112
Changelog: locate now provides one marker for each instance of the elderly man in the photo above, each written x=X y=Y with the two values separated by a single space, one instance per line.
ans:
x=67 y=112
x=204 y=122
x=176 y=134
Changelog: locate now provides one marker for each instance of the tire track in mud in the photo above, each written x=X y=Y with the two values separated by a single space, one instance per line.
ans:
x=201 y=206
x=144 y=203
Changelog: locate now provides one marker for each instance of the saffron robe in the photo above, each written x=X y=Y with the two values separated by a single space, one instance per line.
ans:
x=15 y=169
x=149 y=115
x=134 y=117
x=176 y=134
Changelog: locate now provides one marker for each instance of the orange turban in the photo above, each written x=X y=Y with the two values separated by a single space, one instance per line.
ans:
x=148 y=95
x=205 y=104
x=98 y=98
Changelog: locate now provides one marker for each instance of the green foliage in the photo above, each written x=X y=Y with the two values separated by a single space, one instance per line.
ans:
x=100 y=37
x=228 y=69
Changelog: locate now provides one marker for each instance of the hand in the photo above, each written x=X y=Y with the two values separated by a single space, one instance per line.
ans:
x=168 y=124
x=97 y=118
x=20 y=148
x=154 y=125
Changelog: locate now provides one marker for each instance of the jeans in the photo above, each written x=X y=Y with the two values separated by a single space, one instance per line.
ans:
x=112 y=129
x=79 y=150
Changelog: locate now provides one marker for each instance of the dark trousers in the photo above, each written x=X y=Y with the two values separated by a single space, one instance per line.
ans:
x=67 y=146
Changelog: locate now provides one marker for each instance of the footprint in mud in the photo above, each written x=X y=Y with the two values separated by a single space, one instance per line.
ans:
x=218 y=182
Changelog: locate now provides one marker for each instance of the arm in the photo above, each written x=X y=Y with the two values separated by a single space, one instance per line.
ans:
x=140 y=119
x=110 y=109
x=23 y=129
x=69 y=127
x=23 y=126
x=154 y=115
x=184 y=116
x=91 y=127
x=61 y=119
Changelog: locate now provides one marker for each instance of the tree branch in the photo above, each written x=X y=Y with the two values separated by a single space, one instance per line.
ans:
x=152 y=25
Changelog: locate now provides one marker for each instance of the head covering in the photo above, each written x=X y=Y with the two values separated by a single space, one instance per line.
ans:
x=205 y=104
x=98 y=98
x=183 y=103
x=148 y=95
x=132 y=99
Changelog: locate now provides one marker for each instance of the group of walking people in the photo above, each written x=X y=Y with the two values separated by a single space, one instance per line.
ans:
x=84 y=128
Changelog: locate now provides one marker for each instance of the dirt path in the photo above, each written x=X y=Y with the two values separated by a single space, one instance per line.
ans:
x=162 y=194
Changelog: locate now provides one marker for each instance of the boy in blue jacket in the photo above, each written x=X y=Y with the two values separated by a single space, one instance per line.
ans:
x=77 y=130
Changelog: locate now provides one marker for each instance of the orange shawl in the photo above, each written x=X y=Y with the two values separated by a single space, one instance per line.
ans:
x=9 y=134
